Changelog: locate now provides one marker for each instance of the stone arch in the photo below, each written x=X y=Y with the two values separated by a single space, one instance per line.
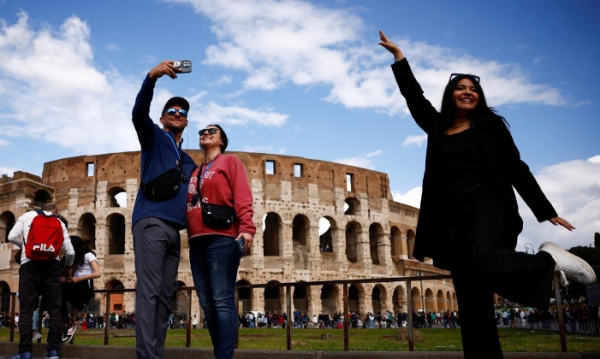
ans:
x=41 y=197
x=116 y=303
x=329 y=294
x=117 y=197
x=7 y=222
x=376 y=242
x=272 y=234
x=352 y=206
x=399 y=299
x=326 y=227
x=300 y=298
x=429 y=301
x=244 y=296
x=450 y=305
x=86 y=229
x=300 y=234
x=410 y=238
x=5 y=297
x=454 y=302
x=116 y=233
x=355 y=292
x=396 y=242
x=417 y=300
x=441 y=301
x=378 y=296
x=273 y=298
x=353 y=235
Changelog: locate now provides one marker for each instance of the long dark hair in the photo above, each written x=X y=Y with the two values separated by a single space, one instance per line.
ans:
x=81 y=249
x=482 y=116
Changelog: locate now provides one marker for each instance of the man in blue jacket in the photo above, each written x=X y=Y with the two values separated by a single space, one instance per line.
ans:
x=158 y=220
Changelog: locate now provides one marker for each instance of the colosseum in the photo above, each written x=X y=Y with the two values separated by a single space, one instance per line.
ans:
x=315 y=220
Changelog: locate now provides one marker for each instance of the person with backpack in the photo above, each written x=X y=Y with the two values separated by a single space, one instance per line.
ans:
x=77 y=283
x=42 y=235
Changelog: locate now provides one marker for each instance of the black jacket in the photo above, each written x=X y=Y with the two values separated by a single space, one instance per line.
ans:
x=503 y=161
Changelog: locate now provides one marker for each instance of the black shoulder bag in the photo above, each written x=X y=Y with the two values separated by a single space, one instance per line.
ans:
x=213 y=215
x=166 y=185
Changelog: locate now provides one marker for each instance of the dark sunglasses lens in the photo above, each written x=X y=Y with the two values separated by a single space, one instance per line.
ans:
x=211 y=131
x=173 y=111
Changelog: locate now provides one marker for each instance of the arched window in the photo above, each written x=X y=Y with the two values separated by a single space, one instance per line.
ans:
x=7 y=222
x=301 y=299
x=326 y=227
x=116 y=234
x=117 y=197
x=328 y=298
x=245 y=297
x=352 y=206
x=271 y=234
x=86 y=229
x=352 y=234
x=273 y=298
x=116 y=299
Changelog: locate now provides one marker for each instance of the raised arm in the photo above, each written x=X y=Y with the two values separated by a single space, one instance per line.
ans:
x=390 y=46
x=420 y=108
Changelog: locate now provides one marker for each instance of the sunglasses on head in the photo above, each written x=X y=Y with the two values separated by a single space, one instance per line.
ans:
x=211 y=131
x=173 y=111
x=458 y=75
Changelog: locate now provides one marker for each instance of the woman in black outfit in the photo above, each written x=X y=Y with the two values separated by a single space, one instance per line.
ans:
x=469 y=219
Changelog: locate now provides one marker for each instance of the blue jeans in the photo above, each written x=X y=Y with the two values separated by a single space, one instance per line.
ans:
x=214 y=261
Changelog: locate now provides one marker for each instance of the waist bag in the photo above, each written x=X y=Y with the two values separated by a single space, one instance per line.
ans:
x=45 y=237
x=213 y=215
x=166 y=185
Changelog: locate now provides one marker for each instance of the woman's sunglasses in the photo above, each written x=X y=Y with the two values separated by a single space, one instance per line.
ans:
x=211 y=131
x=459 y=75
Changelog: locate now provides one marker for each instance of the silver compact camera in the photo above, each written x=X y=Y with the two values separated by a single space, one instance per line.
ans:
x=184 y=65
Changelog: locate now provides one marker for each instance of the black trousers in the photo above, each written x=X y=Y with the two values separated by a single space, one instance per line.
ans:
x=39 y=278
x=489 y=264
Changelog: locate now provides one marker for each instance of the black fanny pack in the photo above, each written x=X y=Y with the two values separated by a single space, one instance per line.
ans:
x=213 y=215
x=166 y=185
x=217 y=216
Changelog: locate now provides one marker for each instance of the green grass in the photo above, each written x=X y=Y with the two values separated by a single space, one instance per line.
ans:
x=512 y=340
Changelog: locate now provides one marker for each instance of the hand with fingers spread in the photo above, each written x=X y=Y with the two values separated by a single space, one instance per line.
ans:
x=390 y=46
x=164 y=68
x=561 y=221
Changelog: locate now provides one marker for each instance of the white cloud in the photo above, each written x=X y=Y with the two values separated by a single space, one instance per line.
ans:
x=4 y=142
x=60 y=97
x=361 y=161
x=281 y=42
x=417 y=140
x=412 y=197
x=214 y=113
x=263 y=149
x=573 y=188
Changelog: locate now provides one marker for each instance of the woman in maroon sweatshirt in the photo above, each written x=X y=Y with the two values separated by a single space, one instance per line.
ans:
x=216 y=248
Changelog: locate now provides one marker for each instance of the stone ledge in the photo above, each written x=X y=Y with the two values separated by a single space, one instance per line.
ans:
x=125 y=352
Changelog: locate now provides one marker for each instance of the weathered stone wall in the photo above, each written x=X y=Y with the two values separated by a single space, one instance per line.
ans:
x=370 y=235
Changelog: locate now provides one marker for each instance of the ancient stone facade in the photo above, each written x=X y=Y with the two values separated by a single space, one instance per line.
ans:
x=315 y=221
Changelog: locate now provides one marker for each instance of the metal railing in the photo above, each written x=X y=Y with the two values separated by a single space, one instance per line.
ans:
x=288 y=301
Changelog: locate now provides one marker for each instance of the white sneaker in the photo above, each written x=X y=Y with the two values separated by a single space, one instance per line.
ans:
x=570 y=266
x=36 y=335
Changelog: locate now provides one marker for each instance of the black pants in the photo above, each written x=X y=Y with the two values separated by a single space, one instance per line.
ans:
x=39 y=278
x=78 y=294
x=489 y=264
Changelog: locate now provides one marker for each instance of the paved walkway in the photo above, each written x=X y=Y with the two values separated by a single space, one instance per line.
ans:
x=104 y=352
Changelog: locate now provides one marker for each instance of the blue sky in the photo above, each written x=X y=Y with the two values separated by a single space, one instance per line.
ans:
x=308 y=79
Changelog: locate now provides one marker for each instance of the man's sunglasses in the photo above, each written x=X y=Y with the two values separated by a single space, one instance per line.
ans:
x=211 y=131
x=458 y=75
x=173 y=111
